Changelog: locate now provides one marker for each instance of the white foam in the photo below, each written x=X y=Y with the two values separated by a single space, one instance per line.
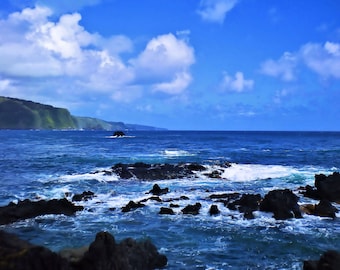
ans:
x=99 y=176
x=176 y=153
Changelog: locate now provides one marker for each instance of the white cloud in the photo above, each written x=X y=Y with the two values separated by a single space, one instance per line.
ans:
x=215 y=10
x=324 y=60
x=237 y=83
x=165 y=64
x=282 y=68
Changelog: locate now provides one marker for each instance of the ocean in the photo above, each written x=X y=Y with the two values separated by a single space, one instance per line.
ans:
x=57 y=164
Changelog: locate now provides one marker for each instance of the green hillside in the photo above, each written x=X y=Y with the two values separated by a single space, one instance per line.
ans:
x=23 y=114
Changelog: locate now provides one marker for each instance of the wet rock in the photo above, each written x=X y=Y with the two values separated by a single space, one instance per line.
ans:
x=104 y=253
x=196 y=167
x=192 y=209
x=30 y=209
x=214 y=210
x=282 y=202
x=17 y=254
x=323 y=209
x=166 y=211
x=214 y=174
x=118 y=134
x=85 y=196
x=246 y=204
x=132 y=206
x=330 y=260
x=156 y=190
x=153 y=198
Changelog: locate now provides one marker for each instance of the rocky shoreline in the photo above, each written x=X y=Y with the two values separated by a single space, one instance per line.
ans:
x=282 y=203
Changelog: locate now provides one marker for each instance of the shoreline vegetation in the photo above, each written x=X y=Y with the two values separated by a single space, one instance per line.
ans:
x=104 y=253
x=19 y=114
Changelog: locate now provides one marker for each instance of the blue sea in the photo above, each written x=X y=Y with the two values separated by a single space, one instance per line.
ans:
x=57 y=164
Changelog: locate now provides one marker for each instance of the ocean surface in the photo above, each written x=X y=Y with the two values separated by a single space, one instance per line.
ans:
x=54 y=164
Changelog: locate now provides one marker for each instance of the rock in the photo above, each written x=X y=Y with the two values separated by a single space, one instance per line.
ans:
x=118 y=134
x=192 y=209
x=330 y=260
x=246 y=204
x=214 y=174
x=328 y=187
x=17 y=254
x=132 y=206
x=153 y=198
x=214 y=210
x=282 y=202
x=166 y=211
x=323 y=209
x=30 y=209
x=104 y=253
x=156 y=190
x=152 y=172
x=85 y=196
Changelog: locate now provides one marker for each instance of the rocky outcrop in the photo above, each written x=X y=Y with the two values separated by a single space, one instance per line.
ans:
x=85 y=196
x=326 y=187
x=283 y=203
x=30 y=209
x=156 y=190
x=323 y=209
x=330 y=260
x=103 y=254
x=192 y=209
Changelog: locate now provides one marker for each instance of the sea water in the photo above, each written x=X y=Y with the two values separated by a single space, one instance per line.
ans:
x=57 y=164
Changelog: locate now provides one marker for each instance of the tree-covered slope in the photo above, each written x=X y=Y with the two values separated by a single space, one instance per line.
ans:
x=23 y=114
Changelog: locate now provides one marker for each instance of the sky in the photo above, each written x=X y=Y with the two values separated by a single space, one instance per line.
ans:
x=177 y=64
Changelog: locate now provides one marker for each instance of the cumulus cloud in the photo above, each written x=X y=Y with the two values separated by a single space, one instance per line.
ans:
x=236 y=84
x=215 y=10
x=165 y=64
x=324 y=60
x=282 y=68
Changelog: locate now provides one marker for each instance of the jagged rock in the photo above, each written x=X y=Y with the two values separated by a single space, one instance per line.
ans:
x=166 y=211
x=192 y=209
x=104 y=253
x=247 y=203
x=156 y=190
x=214 y=174
x=153 y=198
x=323 y=209
x=86 y=195
x=330 y=260
x=214 y=210
x=30 y=209
x=132 y=206
x=118 y=134
x=282 y=202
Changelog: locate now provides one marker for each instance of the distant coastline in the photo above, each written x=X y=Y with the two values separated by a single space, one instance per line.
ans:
x=19 y=114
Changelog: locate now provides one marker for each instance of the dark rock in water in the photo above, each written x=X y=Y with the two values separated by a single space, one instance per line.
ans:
x=153 y=198
x=17 y=254
x=118 y=134
x=30 y=209
x=166 y=211
x=228 y=196
x=328 y=187
x=323 y=209
x=86 y=195
x=283 y=203
x=153 y=171
x=214 y=174
x=214 y=210
x=132 y=206
x=192 y=209
x=246 y=204
x=156 y=190
x=103 y=254
x=196 y=167
x=330 y=260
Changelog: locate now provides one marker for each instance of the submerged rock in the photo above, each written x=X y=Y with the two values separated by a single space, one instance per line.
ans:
x=132 y=206
x=330 y=260
x=30 y=209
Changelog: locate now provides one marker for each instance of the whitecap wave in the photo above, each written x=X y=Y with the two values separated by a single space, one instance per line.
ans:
x=176 y=153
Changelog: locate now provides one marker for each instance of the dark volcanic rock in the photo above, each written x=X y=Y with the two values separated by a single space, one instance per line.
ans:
x=156 y=190
x=16 y=254
x=132 y=206
x=323 y=209
x=192 y=209
x=328 y=187
x=86 y=195
x=103 y=254
x=30 y=209
x=154 y=171
x=119 y=134
x=166 y=211
x=330 y=260
x=214 y=210
x=282 y=202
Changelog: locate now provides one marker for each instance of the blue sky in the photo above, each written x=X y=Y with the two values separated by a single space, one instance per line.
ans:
x=177 y=64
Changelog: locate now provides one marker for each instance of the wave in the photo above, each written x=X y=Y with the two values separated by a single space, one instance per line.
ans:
x=176 y=153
